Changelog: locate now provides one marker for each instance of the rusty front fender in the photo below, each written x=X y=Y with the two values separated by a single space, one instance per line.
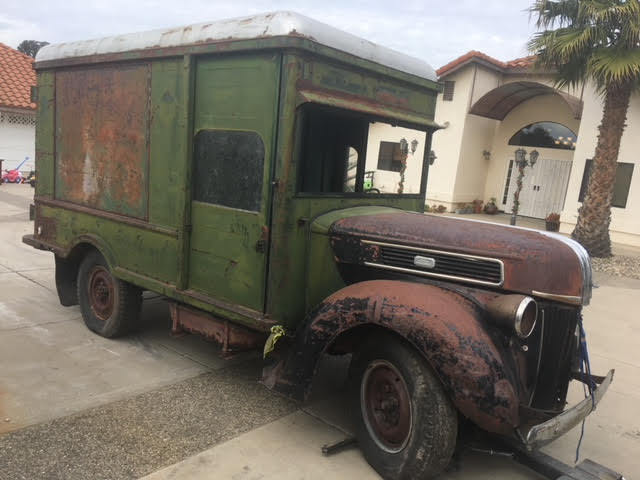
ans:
x=445 y=326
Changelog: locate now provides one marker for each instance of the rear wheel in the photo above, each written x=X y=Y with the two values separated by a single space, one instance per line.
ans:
x=110 y=307
x=406 y=424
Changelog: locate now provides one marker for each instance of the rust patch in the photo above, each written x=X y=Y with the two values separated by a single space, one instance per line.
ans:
x=102 y=146
x=443 y=325
x=532 y=261
x=231 y=337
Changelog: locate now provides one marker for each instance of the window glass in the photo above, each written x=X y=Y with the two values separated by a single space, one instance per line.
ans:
x=344 y=152
x=507 y=183
x=390 y=157
x=624 y=171
x=447 y=93
x=545 y=135
x=228 y=168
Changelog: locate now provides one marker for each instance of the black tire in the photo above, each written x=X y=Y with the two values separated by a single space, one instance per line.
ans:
x=110 y=307
x=399 y=447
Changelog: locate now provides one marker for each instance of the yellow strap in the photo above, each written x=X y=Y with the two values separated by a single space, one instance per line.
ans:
x=277 y=331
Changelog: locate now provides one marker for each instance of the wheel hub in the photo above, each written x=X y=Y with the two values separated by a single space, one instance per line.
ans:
x=386 y=406
x=101 y=292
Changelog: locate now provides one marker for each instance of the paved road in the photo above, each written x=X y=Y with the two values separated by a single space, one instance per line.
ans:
x=75 y=405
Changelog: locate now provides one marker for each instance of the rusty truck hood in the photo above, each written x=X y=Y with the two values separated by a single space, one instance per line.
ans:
x=513 y=259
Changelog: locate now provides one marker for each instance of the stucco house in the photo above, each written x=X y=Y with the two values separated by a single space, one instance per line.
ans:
x=17 y=112
x=491 y=108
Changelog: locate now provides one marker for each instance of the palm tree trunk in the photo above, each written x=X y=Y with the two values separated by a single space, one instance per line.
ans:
x=594 y=216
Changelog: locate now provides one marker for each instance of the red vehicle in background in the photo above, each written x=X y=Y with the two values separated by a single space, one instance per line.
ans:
x=14 y=175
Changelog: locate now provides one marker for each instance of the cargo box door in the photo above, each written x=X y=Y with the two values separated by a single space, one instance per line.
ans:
x=234 y=124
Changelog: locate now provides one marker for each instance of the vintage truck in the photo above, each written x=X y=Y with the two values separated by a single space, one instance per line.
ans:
x=222 y=165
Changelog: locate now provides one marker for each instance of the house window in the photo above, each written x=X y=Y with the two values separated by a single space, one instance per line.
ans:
x=449 y=87
x=507 y=183
x=390 y=157
x=545 y=135
x=228 y=168
x=624 y=171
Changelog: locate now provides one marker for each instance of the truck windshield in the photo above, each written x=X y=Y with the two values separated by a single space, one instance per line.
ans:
x=346 y=152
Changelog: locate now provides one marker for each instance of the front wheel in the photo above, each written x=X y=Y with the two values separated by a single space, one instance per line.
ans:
x=110 y=307
x=406 y=424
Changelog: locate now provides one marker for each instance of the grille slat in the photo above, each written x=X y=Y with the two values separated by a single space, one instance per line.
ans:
x=446 y=264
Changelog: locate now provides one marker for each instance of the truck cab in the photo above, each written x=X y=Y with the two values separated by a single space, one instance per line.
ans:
x=237 y=168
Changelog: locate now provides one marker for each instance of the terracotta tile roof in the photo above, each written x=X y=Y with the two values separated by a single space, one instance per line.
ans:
x=474 y=55
x=524 y=62
x=467 y=57
x=16 y=77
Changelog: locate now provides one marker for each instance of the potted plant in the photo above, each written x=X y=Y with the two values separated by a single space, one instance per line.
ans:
x=477 y=206
x=490 y=207
x=552 y=222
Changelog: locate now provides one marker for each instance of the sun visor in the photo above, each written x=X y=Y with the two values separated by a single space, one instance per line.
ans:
x=390 y=114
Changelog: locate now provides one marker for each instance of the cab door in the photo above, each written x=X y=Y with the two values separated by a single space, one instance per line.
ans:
x=233 y=141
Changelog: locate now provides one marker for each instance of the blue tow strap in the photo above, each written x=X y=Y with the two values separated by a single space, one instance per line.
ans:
x=585 y=369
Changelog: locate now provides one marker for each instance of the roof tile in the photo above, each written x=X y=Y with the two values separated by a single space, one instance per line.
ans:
x=516 y=64
x=16 y=78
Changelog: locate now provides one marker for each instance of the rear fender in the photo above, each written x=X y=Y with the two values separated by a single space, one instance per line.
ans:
x=68 y=262
x=444 y=326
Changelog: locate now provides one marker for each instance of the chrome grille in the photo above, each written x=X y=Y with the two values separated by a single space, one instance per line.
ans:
x=454 y=266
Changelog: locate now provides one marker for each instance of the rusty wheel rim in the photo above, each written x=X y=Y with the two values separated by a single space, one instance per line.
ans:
x=101 y=292
x=386 y=406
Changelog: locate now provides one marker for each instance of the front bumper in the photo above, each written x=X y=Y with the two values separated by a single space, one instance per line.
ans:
x=548 y=431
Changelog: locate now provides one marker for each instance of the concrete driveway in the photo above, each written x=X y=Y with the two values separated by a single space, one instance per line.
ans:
x=75 y=405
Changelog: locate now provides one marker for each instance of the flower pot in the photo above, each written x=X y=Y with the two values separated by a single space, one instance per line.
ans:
x=552 y=226
x=491 y=209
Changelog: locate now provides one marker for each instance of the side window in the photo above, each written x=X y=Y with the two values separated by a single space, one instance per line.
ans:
x=447 y=93
x=624 y=171
x=390 y=157
x=228 y=168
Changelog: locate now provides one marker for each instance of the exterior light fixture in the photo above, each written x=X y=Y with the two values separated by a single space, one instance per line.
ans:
x=486 y=154
x=414 y=146
x=432 y=157
x=533 y=157
x=404 y=146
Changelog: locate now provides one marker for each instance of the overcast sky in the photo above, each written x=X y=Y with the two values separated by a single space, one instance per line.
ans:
x=434 y=31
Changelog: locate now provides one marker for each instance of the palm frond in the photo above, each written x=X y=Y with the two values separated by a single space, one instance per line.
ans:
x=614 y=65
x=588 y=38
x=552 y=13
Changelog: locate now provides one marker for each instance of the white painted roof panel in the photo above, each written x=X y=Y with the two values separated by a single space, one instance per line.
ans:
x=257 y=26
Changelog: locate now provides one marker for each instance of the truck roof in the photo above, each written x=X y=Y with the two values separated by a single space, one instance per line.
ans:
x=275 y=24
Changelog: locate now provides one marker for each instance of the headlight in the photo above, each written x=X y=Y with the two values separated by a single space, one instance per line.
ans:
x=516 y=312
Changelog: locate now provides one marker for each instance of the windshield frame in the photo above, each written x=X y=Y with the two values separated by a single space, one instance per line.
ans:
x=301 y=112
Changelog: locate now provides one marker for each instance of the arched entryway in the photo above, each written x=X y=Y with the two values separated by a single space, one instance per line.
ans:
x=544 y=186
x=537 y=117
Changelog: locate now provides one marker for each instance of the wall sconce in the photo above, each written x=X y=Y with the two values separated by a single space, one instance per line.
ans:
x=486 y=154
x=414 y=146
x=432 y=157
x=404 y=146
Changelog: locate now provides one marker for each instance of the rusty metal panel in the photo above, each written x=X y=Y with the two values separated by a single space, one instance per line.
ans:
x=102 y=148
x=444 y=326
x=232 y=338
x=531 y=260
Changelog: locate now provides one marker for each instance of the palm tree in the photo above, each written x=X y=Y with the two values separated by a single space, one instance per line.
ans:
x=598 y=41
